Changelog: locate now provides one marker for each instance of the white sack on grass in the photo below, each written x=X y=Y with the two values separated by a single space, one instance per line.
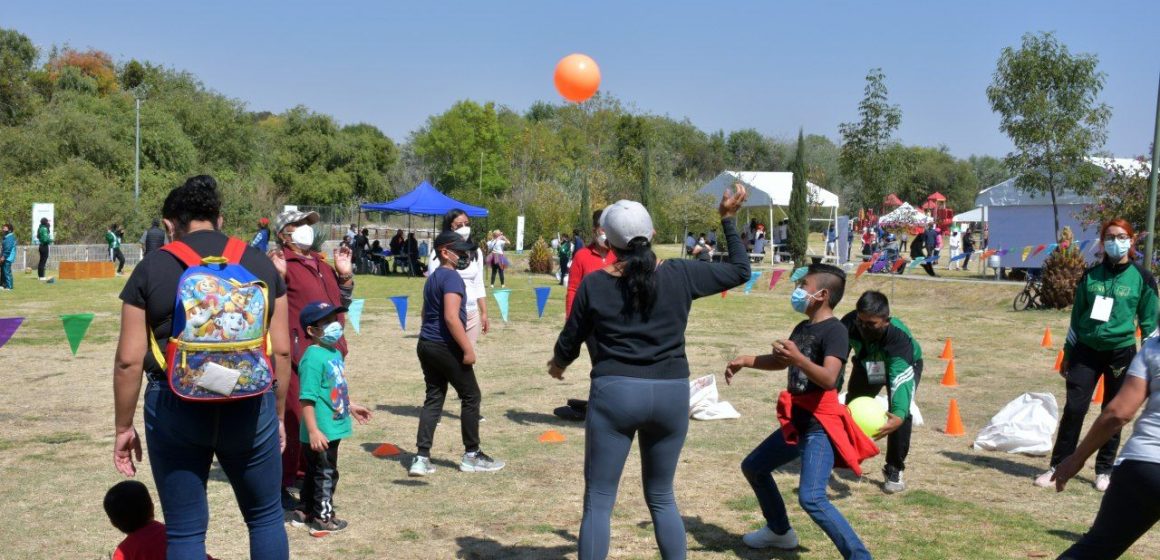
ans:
x=703 y=404
x=1025 y=425
x=914 y=411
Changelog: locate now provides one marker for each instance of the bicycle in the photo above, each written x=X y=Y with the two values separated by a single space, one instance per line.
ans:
x=1032 y=295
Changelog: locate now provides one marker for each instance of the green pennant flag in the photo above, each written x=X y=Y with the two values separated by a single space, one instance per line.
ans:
x=75 y=326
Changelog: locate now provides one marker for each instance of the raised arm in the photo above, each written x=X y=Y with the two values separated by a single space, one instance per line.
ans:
x=711 y=278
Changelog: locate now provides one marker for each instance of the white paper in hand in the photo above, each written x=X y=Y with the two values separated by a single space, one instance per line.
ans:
x=219 y=379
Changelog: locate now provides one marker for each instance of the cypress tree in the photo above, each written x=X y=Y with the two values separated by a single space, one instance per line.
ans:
x=799 y=210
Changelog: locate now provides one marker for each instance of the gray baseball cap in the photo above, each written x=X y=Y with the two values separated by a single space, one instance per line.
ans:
x=292 y=217
x=625 y=220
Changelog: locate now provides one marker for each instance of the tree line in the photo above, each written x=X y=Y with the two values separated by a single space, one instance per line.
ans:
x=67 y=131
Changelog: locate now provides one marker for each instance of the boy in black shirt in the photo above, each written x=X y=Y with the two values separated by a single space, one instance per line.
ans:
x=814 y=425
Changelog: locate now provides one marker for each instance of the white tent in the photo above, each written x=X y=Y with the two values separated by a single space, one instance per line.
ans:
x=977 y=215
x=906 y=216
x=771 y=189
x=768 y=188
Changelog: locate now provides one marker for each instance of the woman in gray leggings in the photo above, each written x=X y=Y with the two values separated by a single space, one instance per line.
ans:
x=640 y=374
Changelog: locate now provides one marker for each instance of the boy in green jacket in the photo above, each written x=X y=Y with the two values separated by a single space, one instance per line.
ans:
x=885 y=355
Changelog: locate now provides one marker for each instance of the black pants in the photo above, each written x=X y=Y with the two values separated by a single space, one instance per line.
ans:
x=929 y=268
x=120 y=258
x=43 y=262
x=897 y=443
x=1129 y=509
x=563 y=271
x=494 y=269
x=967 y=258
x=1084 y=369
x=442 y=366
x=320 y=481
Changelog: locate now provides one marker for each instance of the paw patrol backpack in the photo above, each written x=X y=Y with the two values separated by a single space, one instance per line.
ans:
x=218 y=349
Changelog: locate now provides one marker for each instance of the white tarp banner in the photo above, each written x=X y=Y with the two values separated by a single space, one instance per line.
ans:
x=42 y=210
x=519 y=234
x=703 y=404
x=1026 y=425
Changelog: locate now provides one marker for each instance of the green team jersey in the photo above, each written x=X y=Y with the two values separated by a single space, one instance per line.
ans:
x=1132 y=291
x=888 y=361
x=43 y=235
x=112 y=239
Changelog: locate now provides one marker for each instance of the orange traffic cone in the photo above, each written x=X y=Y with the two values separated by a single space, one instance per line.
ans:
x=1058 y=361
x=551 y=436
x=725 y=293
x=1047 y=338
x=1098 y=396
x=1138 y=333
x=386 y=450
x=954 y=421
x=948 y=352
x=948 y=379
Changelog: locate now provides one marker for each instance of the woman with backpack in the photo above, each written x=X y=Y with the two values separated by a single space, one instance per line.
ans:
x=308 y=278
x=184 y=436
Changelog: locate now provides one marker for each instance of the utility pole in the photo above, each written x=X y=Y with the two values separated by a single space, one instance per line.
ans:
x=138 y=95
x=1148 y=244
x=481 y=176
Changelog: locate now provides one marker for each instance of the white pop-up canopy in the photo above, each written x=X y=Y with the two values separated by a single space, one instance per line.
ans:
x=771 y=189
x=977 y=215
x=768 y=188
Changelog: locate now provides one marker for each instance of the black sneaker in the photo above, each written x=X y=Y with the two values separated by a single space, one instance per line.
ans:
x=299 y=518
x=289 y=502
x=321 y=528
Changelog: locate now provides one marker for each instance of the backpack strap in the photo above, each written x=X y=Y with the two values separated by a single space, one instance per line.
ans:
x=183 y=252
x=234 y=250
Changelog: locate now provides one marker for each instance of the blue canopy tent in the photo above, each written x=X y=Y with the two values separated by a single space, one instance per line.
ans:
x=425 y=200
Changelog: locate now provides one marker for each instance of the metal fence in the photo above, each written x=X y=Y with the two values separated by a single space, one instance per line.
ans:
x=27 y=256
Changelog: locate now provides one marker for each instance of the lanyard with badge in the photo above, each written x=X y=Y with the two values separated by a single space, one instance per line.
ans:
x=1102 y=308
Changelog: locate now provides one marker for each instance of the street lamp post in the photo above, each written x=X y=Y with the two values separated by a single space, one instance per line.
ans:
x=138 y=95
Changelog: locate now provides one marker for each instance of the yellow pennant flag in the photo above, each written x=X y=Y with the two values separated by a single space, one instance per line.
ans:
x=1026 y=251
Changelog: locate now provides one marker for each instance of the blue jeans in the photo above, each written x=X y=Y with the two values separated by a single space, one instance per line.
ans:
x=817 y=454
x=6 y=274
x=618 y=409
x=183 y=437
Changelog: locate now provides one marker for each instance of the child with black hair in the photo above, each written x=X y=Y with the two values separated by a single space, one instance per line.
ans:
x=326 y=414
x=814 y=425
x=130 y=510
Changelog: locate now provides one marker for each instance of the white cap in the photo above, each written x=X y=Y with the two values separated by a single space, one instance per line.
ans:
x=624 y=221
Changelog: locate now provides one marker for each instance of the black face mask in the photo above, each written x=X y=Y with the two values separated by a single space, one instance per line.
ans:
x=463 y=261
x=870 y=334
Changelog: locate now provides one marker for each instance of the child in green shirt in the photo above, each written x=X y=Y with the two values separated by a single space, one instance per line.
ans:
x=326 y=414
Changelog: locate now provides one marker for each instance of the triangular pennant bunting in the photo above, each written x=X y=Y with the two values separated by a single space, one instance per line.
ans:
x=542 y=294
x=401 y=307
x=501 y=300
x=8 y=326
x=75 y=327
x=354 y=314
x=753 y=276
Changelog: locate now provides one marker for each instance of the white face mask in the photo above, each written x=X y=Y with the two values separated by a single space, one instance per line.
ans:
x=303 y=237
x=464 y=232
x=602 y=239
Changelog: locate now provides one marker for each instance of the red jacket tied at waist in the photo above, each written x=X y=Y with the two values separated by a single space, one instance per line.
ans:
x=852 y=446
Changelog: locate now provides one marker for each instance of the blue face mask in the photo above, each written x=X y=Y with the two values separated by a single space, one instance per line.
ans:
x=331 y=334
x=800 y=299
x=1117 y=248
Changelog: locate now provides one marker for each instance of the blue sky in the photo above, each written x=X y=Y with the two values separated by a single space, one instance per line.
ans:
x=773 y=66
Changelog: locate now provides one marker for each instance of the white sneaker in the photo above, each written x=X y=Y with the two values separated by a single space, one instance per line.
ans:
x=1102 y=482
x=1044 y=480
x=421 y=466
x=766 y=538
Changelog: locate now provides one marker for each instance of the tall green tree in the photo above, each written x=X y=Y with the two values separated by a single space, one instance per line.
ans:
x=17 y=57
x=466 y=151
x=1047 y=100
x=799 y=205
x=866 y=157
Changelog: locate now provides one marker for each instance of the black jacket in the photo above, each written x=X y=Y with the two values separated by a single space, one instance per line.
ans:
x=154 y=239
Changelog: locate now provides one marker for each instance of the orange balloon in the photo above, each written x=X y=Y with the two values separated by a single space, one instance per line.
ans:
x=577 y=77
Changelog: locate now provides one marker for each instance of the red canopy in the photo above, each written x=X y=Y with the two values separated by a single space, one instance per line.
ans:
x=892 y=200
x=929 y=204
x=937 y=196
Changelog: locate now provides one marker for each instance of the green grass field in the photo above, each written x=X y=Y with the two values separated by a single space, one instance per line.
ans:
x=960 y=503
